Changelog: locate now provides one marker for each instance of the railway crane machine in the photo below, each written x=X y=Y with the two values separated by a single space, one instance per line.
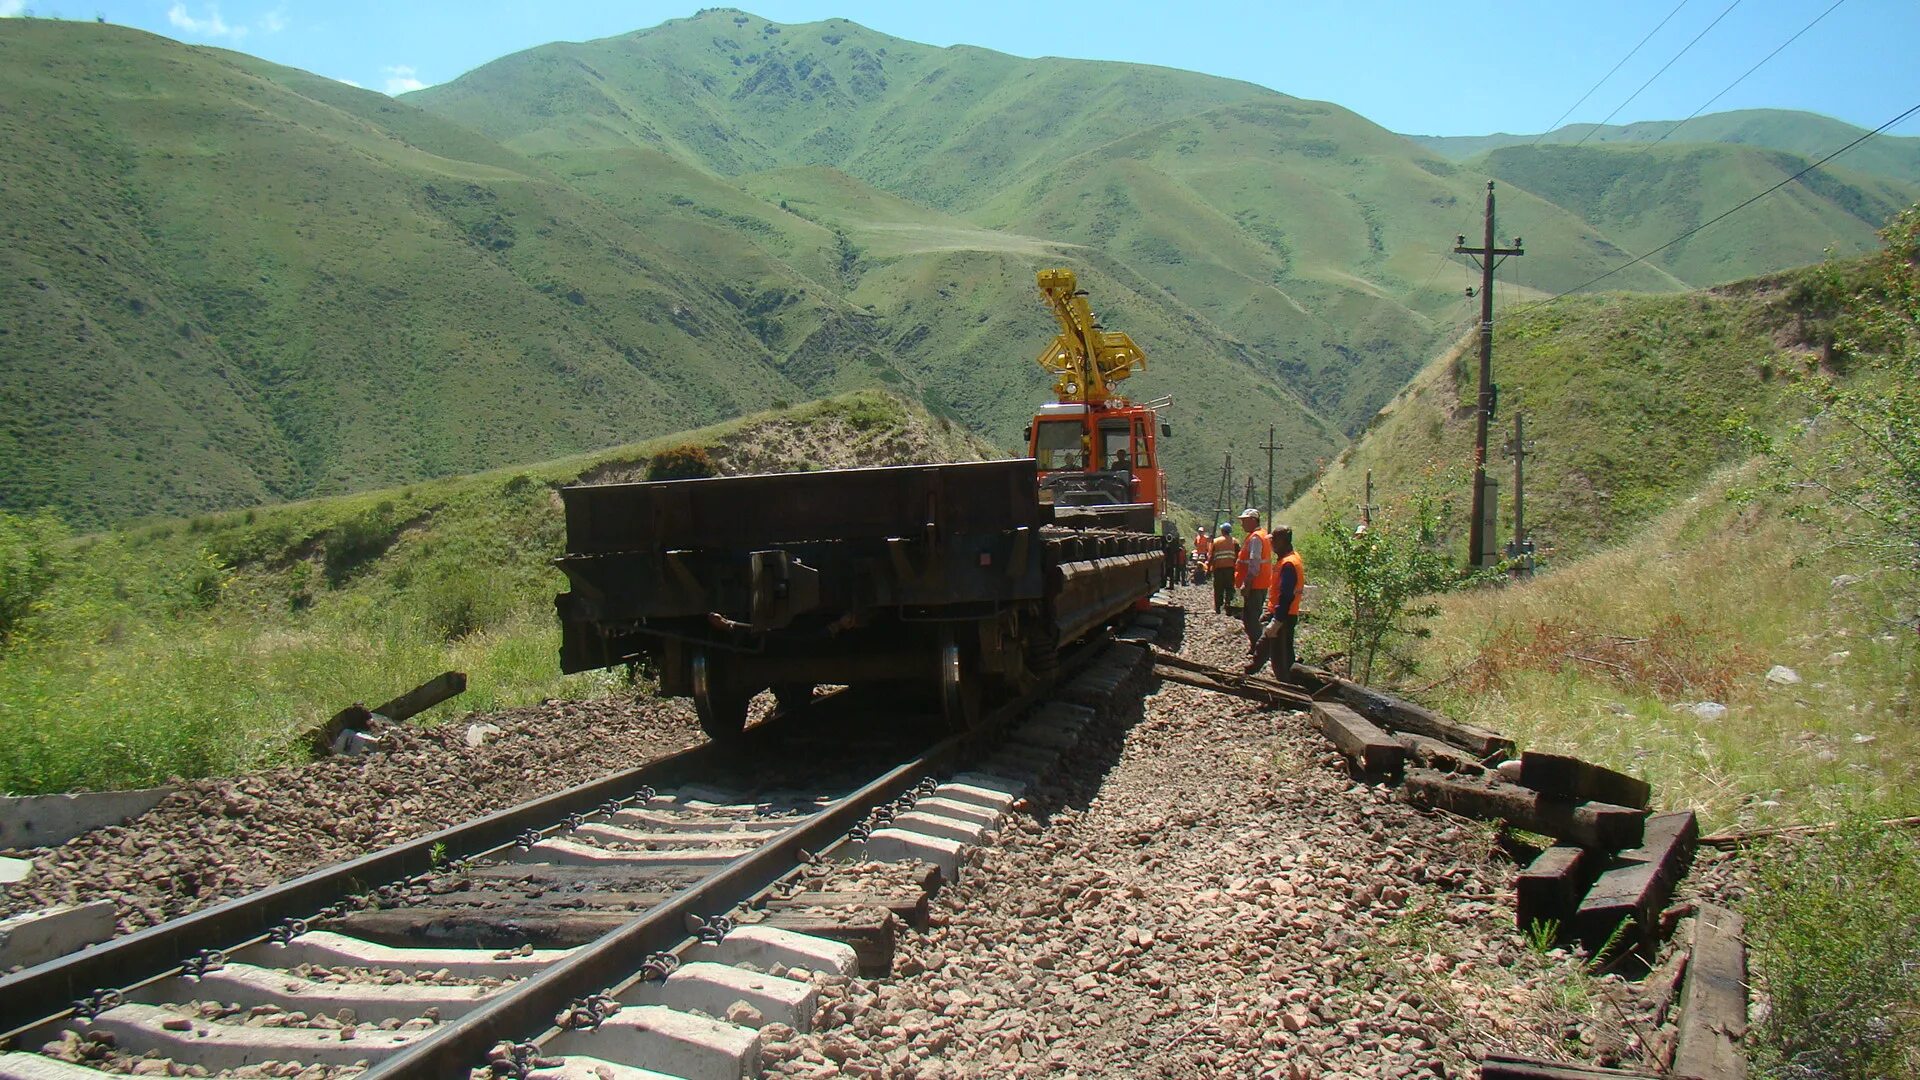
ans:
x=1093 y=446
x=964 y=578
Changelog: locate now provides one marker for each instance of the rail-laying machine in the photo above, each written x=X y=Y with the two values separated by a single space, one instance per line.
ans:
x=962 y=577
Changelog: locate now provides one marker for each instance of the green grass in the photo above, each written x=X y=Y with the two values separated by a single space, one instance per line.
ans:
x=215 y=644
x=1598 y=658
x=1626 y=401
x=1835 y=928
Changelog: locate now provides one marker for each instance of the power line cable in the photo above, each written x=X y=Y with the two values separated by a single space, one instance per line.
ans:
x=1728 y=213
x=1743 y=76
x=1603 y=79
x=1657 y=74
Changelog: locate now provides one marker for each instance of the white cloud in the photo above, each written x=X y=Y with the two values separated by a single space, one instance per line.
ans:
x=11 y=8
x=273 y=21
x=211 y=26
x=351 y=83
x=402 y=78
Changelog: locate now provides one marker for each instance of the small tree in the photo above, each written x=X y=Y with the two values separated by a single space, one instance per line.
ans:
x=687 y=462
x=1857 y=470
x=1382 y=577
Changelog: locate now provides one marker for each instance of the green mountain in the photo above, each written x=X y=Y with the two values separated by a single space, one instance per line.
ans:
x=1809 y=135
x=1643 y=197
x=246 y=283
x=1308 y=238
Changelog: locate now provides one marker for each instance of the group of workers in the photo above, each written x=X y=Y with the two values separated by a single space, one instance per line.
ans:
x=1270 y=578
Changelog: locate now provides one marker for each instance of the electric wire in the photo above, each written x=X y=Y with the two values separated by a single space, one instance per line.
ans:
x=1657 y=74
x=1743 y=77
x=1603 y=79
x=1725 y=214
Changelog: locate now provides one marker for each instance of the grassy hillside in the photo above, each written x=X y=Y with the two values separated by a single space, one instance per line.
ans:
x=1626 y=400
x=212 y=644
x=244 y=287
x=249 y=283
x=1808 y=135
x=1327 y=278
x=1641 y=197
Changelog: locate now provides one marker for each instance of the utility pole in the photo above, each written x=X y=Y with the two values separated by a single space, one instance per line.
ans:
x=1520 y=551
x=1366 y=504
x=1487 y=256
x=1272 y=444
x=1249 y=501
x=1226 y=492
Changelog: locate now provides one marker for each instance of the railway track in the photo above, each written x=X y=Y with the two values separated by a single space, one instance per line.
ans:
x=631 y=927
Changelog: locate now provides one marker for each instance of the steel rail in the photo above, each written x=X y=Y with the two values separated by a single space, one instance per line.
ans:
x=528 y=1009
x=460 y=1045
x=38 y=995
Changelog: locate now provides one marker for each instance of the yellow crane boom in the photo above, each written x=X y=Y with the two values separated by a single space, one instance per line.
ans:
x=1085 y=360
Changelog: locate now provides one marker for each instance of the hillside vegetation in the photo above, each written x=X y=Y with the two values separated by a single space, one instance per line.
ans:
x=216 y=644
x=1804 y=134
x=1644 y=196
x=1626 y=402
x=241 y=283
x=1735 y=620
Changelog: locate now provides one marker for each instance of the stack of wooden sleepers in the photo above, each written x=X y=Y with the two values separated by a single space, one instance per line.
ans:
x=1605 y=881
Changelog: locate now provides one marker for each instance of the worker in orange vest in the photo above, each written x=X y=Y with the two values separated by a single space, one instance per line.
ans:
x=1202 y=556
x=1222 y=554
x=1283 y=608
x=1253 y=573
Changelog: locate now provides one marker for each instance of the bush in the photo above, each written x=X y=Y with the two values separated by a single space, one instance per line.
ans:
x=357 y=541
x=687 y=462
x=30 y=561
x=1857 y=470
x=1380 y=580
x=1835 y=929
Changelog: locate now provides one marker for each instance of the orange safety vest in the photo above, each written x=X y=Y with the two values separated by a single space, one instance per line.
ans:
x=1293 y=559
x=1202 y=546
x=1226 y=552
x=1254 y=568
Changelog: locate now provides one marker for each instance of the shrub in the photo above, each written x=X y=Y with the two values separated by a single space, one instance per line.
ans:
x=1382 y=578
x=1858 y=468
x=30 y=561
x=354 y=543
x=1835 y=925
x=686 y=462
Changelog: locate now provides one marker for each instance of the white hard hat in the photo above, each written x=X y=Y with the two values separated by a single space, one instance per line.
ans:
x=1249 y=512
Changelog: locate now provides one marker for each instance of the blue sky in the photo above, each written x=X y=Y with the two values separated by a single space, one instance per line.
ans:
x=1417 y=67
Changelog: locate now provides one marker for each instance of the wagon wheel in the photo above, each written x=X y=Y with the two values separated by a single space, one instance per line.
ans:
x=720 y=705
x=960 y=691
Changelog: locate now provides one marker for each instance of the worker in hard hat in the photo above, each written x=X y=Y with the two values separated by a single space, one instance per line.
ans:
x=1202 y=555
x=1221 y=556
x=1283 y=608
x=1253 y=573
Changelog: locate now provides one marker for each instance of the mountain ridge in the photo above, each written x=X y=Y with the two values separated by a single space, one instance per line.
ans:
x=336 y=290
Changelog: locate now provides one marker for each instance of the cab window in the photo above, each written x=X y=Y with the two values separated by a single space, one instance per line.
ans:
x=1115 y=449
x=1142 y=447
x=1059 y=444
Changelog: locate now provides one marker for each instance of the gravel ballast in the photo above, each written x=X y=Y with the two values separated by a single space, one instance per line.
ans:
x=1207 y=893
x=216 y=839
